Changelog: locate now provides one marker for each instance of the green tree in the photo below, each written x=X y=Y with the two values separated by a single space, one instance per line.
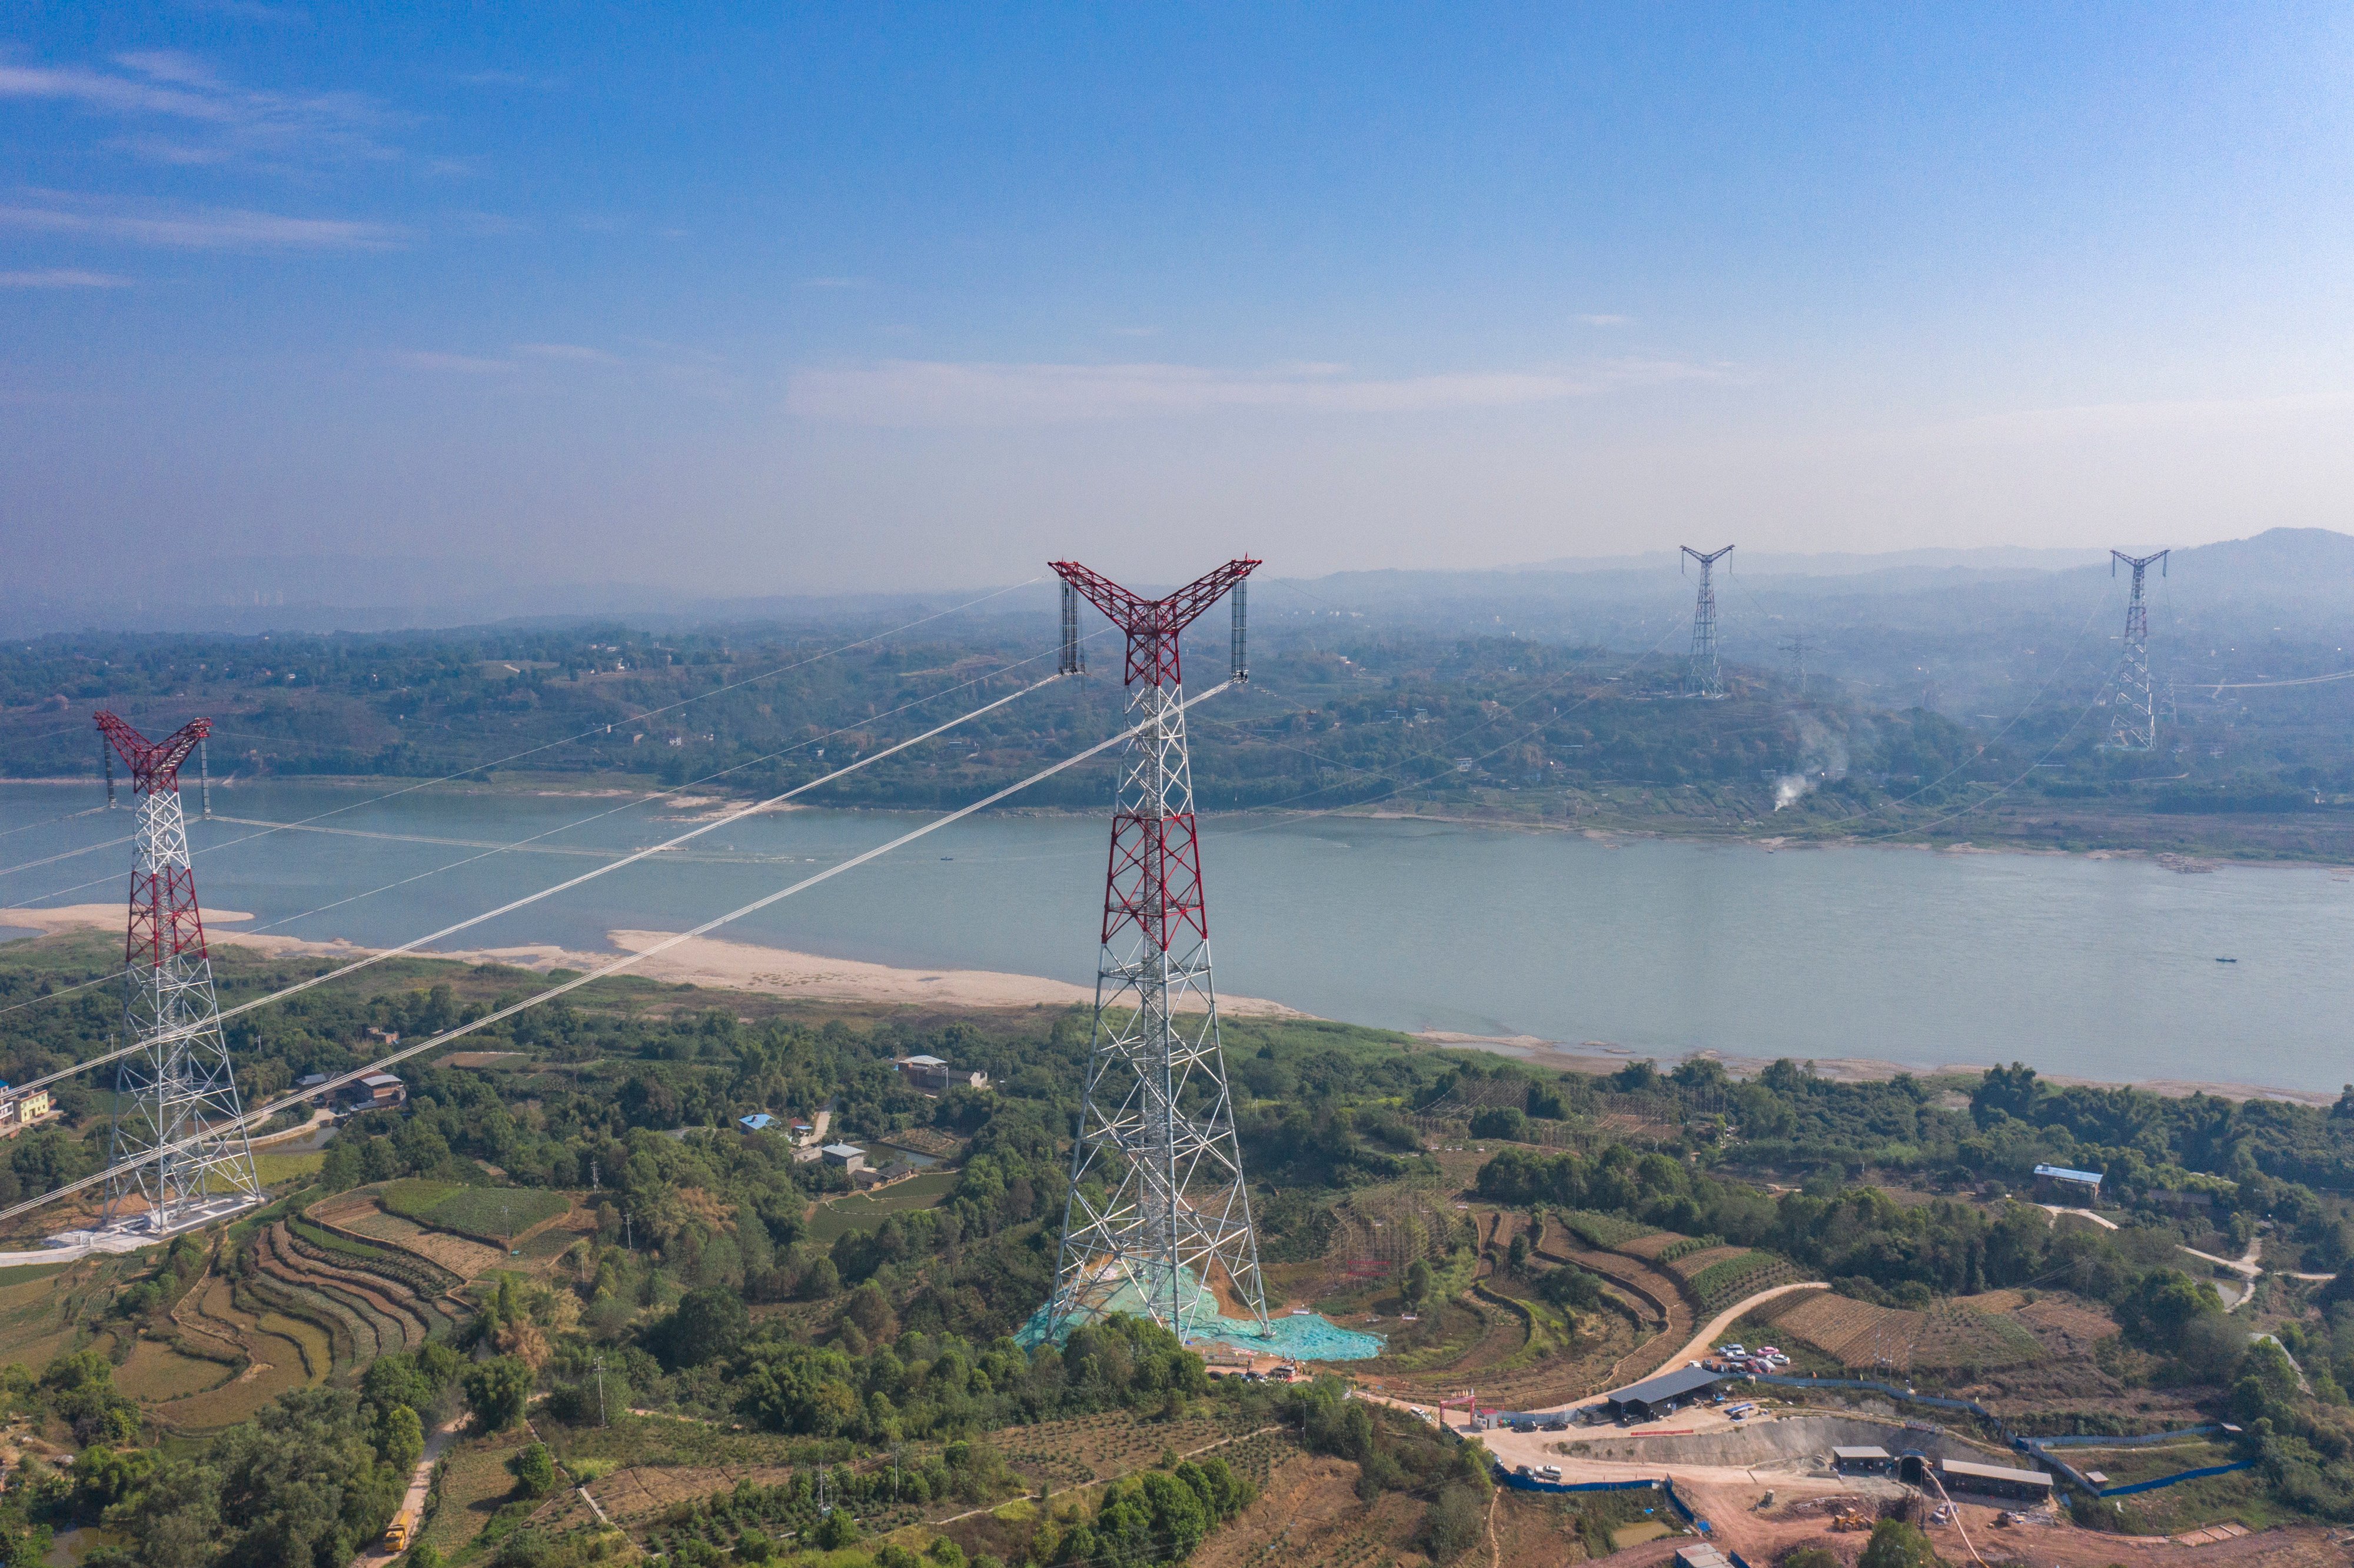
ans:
x=497 y=1390
x=1896 y=1544
x=534 y=1469
x=707 y=1325
x=1417 y=1283
x=1455 y=1522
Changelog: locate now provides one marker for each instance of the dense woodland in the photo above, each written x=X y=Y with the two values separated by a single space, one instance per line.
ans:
x=1499 y=725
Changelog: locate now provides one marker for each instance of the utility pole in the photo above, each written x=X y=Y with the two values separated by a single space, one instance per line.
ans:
x=600 y=1390
x=1706 y=676
x=2135 y=726
x=1167 y=1210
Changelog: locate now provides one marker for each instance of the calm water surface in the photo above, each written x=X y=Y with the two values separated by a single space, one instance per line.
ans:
x=2101 y=969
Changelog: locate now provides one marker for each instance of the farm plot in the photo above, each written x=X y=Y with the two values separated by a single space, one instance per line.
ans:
x=642 y=1490
x=452 y=1253
x=1083 y=1448
x=390 y=1310
x=492 y=1216
x=276 y=1362
x=666 y=1440
x=866 y=1210
x=1611 y=1233
x=474 y=1486
x=1858 y=1334
x=155 y=1371
x=1691 y=1266
x=1729 y=1279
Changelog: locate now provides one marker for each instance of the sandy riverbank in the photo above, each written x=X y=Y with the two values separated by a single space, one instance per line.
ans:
x=704 y=961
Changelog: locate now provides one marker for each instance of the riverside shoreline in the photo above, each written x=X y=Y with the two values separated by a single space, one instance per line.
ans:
x=704 y=961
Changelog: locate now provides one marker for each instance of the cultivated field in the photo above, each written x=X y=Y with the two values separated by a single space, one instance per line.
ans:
x=1858 y=1334
x=865 y=1210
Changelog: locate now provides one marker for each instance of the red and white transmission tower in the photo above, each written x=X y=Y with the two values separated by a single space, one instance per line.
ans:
x=1157 y=1198
x=178 y=1094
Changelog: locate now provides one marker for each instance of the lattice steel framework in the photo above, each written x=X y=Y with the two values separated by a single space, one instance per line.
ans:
x=2135 y=727
x=180 y=1089
x=1158 y=1201
x=1706 y=676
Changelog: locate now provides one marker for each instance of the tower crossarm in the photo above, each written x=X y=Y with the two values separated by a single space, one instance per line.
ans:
x=154 y=764
x=1152 y=624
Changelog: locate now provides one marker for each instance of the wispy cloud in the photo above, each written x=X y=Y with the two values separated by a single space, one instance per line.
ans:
x=457 y=364
x=837 y=282
x=214 y=121
x=931 y=392
x=198 y=229
x=252 y=11
x=567 y=353
x=1606 y=320
x=507 y=78
x=62 y=277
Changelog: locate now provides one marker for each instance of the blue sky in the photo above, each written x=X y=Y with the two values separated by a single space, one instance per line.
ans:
x=808 y=299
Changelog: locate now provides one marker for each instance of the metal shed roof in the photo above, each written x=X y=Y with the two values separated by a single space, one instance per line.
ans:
x=1859 y=1453
x=2061 y=1173
x=1994 y=1473
x=1669 y=1385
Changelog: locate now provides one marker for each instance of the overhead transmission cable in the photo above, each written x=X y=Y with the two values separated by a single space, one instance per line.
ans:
x=563 y=827
x=380 y=955
x=628 y=960
x=568 y=740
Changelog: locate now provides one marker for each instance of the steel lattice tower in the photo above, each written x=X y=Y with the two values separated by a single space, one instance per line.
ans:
x=2135 y=726
x=1157 y=1202
x=1706 y=677
x=179 y=1094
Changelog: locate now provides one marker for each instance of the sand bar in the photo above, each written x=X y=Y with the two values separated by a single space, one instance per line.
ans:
x=703 y=961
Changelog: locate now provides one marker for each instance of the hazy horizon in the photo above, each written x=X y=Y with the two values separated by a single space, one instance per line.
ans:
x=828 y=302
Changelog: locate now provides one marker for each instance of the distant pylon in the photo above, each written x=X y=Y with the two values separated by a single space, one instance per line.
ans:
x=179 y=1089
x=1795 y=646
x=1706 y=677
x=2135 y=728
x=1158 y=1217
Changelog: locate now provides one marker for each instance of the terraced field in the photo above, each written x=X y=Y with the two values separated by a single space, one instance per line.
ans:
x=275 y=1358
x=355 y=1214
x=1858 y=1334
x=384 y=1314
x=156 y=1371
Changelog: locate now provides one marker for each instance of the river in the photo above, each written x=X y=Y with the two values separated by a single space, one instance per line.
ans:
x=2100 y=968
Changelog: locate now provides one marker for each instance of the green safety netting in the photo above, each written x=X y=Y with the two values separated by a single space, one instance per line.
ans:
x=1300 y=1336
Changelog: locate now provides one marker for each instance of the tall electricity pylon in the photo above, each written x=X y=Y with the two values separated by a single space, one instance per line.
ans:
x=1795 y=646
x=178 y=1094
x=1706 y=677
x=1157 y=1200
x=2135 y=727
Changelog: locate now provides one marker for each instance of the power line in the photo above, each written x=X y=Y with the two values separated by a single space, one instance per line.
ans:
x=597 y=729
x=412 y=945
x=626 y=960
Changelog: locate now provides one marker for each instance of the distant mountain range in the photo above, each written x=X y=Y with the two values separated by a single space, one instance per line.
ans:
x=1929 y=621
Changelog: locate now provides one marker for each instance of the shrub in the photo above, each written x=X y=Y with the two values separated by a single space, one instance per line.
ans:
x=534 y=1469
x=497 y=1390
